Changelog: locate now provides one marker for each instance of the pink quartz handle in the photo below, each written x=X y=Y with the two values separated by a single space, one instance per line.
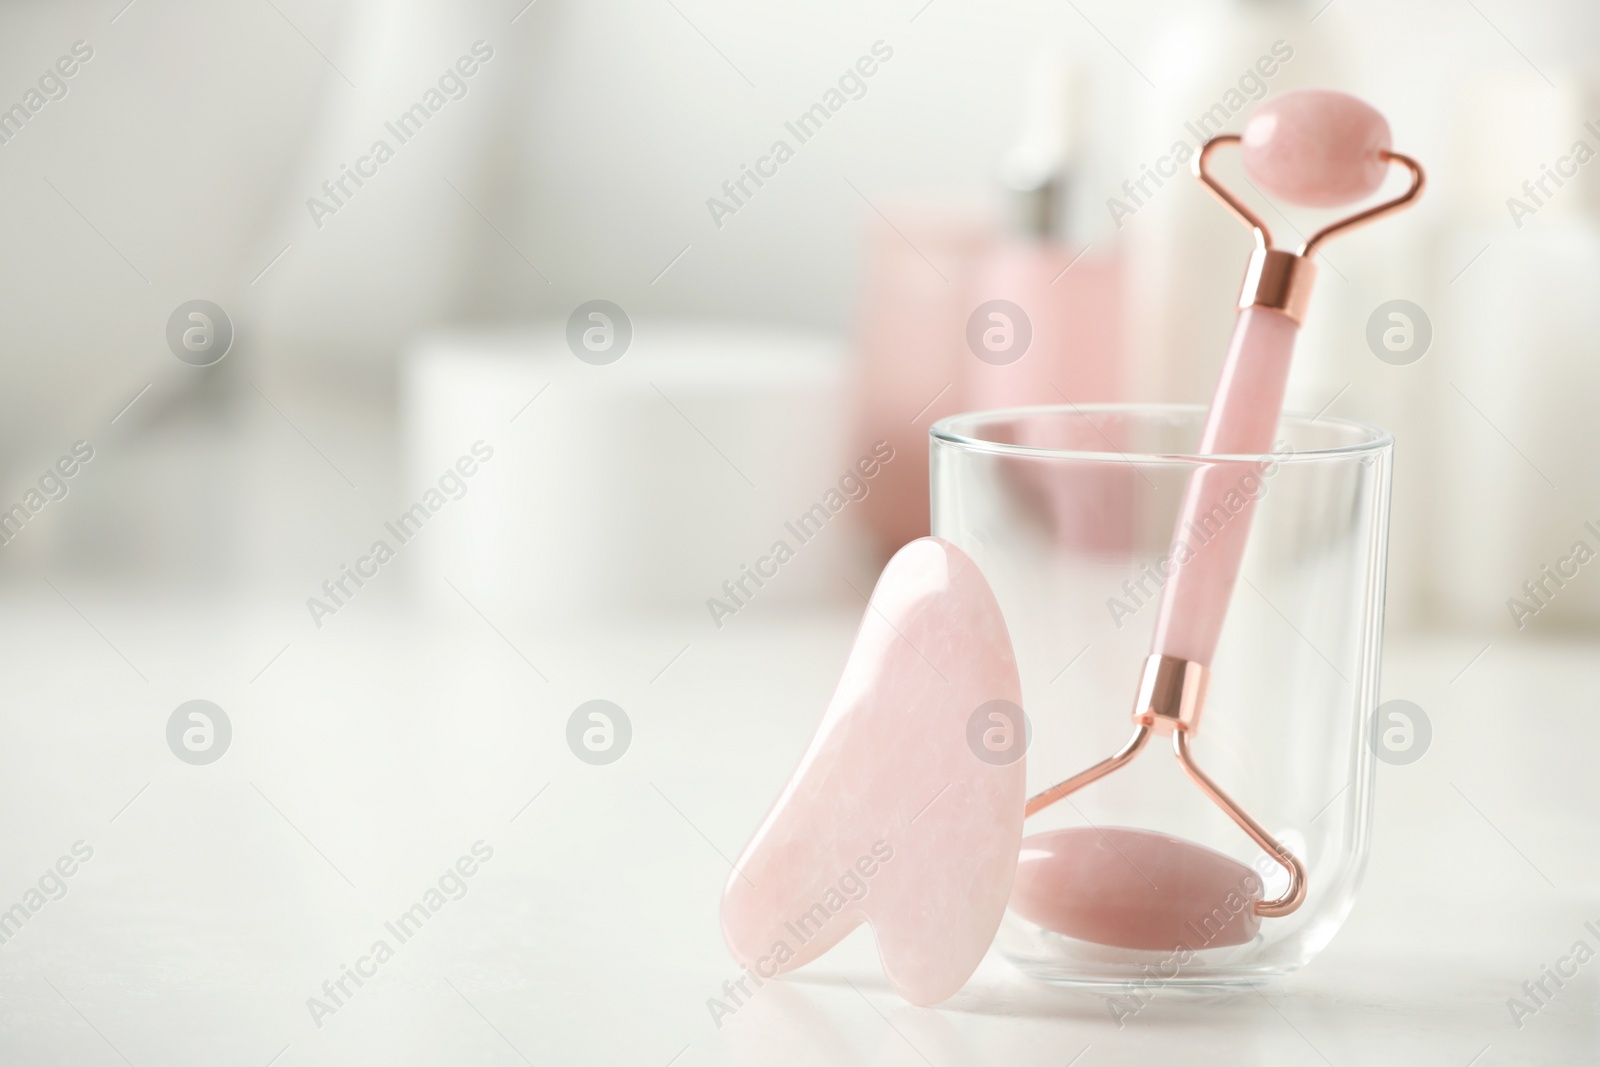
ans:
x=1214 y=525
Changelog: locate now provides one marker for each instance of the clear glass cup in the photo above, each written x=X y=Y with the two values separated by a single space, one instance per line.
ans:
x=1069 y=512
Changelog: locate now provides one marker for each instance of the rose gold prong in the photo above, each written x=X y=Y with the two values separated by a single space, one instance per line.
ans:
x=1061 y=789
x=1296 y=893
x=1361 y=218
x=1233 y=203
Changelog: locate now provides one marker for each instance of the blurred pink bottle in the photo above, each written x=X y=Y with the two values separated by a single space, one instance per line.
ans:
x=1072 y=300
x=1046 y=325
x=1064 y=341
x=912 y=316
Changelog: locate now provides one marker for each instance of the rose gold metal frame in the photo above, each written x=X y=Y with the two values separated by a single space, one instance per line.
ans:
x=1277 y=278
x=1264 y=236
x=1171 y=696
x=1172 y=690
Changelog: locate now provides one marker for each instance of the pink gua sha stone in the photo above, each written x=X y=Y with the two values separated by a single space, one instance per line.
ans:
x=891 y=818
x=1151 y=891
x=1316 y=147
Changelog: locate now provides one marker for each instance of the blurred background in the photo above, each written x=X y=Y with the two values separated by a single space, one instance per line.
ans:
x=597 y=155
x=577 y=310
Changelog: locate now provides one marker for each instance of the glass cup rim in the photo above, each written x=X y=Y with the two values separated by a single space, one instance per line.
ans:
x=950 y=429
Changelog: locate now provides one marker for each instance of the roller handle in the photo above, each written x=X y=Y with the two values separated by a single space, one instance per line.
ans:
x=1214 y=523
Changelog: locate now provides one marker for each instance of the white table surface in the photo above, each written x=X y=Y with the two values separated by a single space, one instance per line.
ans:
x=373 y=753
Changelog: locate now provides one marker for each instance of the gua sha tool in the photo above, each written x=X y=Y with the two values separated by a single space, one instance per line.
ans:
x=890 y=819
x=1133 y=888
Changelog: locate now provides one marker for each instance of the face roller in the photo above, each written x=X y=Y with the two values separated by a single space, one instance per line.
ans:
x=1135 y=888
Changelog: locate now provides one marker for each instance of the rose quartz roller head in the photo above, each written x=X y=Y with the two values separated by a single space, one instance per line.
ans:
x=1132 y=888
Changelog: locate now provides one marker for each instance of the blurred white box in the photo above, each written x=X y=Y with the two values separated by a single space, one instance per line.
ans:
x=643 y=484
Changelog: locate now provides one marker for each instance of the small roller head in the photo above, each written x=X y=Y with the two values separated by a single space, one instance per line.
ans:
x=1316 y=147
